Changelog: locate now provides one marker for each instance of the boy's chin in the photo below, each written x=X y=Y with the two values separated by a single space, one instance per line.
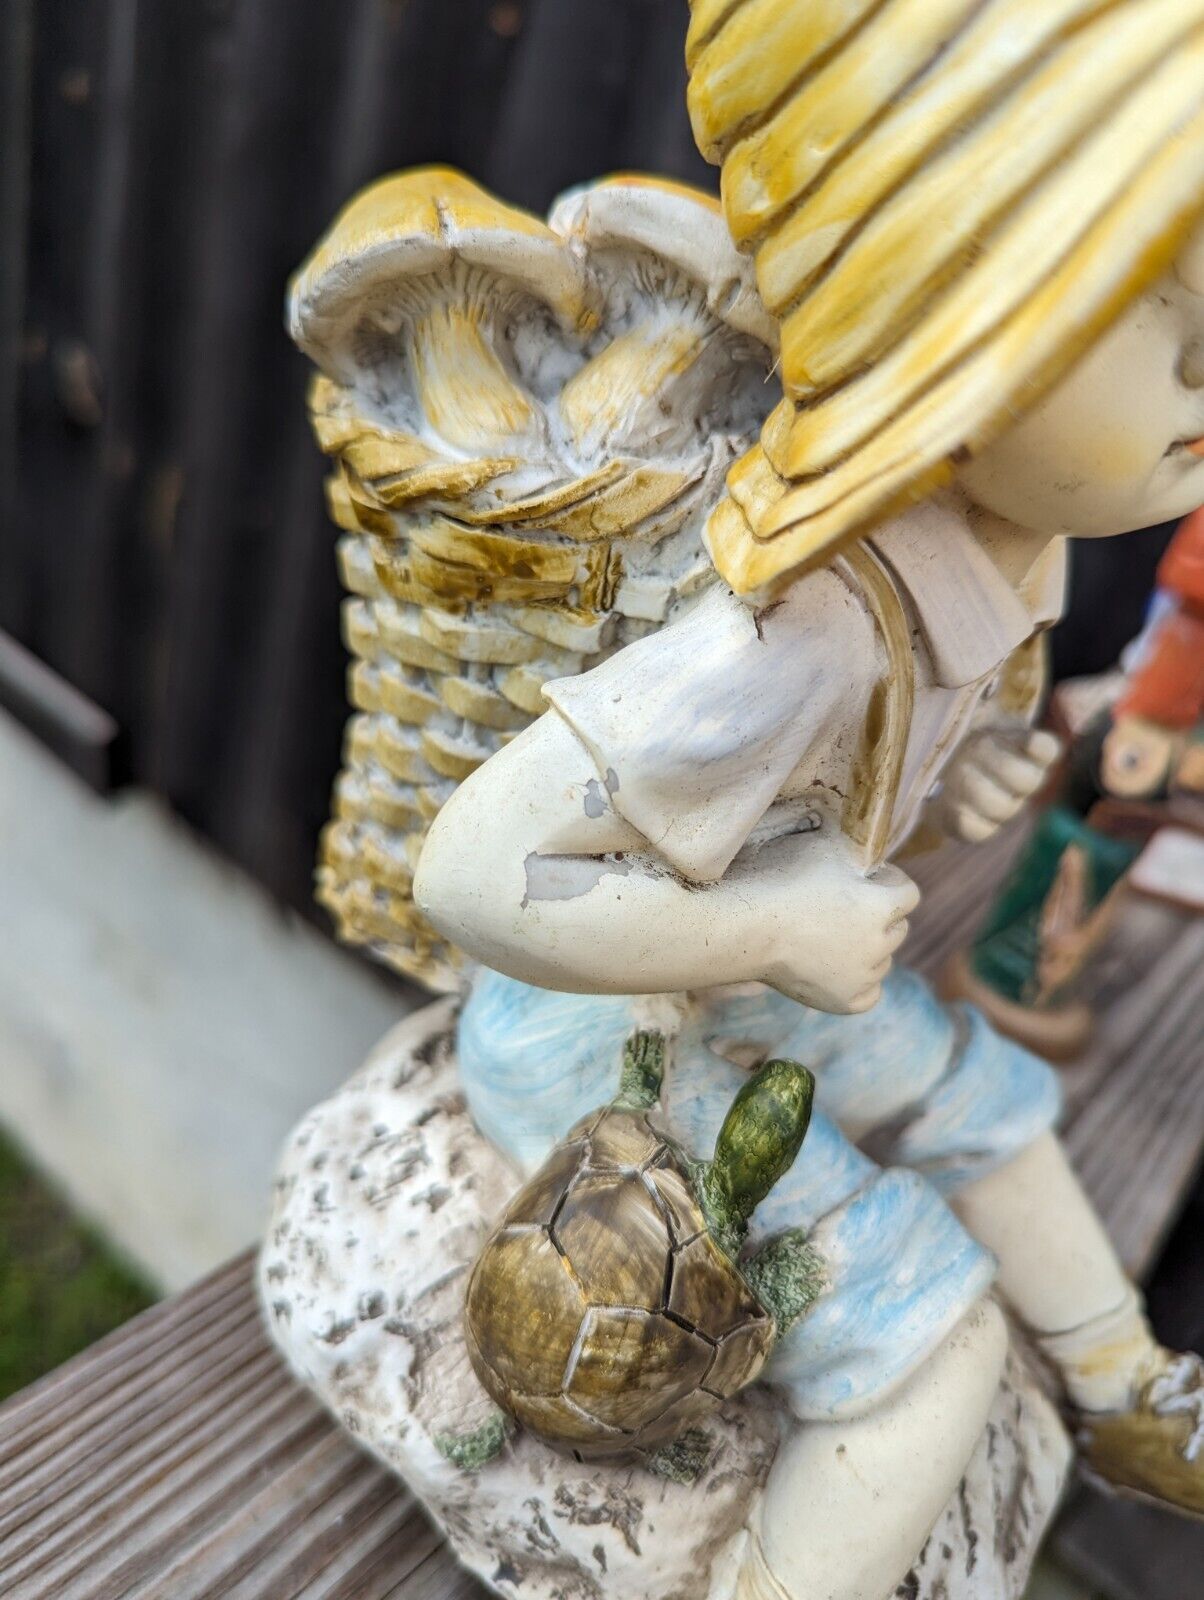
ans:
x=1167 y=508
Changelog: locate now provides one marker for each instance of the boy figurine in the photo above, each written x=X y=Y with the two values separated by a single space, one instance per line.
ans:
x=980 y=230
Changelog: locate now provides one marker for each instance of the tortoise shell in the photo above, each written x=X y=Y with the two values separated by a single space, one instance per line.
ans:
x=601 y=1313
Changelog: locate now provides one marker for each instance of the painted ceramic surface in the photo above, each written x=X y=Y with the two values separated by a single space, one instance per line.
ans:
x=779 y=642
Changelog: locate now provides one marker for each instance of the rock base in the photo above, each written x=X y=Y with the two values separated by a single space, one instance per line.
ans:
x=384 y=1195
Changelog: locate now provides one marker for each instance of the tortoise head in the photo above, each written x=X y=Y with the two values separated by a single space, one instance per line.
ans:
x=760 y=1138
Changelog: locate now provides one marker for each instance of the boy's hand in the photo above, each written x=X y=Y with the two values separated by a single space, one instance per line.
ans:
x=990 y=780
x=831 y=931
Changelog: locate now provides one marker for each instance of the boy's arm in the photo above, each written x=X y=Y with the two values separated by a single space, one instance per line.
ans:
x=533 y=869
x=517 y=872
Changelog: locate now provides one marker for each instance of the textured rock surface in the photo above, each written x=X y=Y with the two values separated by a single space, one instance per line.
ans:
x=384 y=1195
x=984 y=1543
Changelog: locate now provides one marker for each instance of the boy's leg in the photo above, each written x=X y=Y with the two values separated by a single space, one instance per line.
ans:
x=890 y=1374
x=849 y=1504
x=1058 y=1269
x=535 y=1061
x=1142 y=1410
x=977 y=1122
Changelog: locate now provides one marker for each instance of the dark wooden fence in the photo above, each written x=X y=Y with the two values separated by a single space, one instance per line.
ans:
x=165 y=165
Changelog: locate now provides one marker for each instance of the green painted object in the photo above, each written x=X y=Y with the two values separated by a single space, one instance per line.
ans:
x=607 y=1312
x=1007 y=951
x=758 y=1143
x=470 y=1451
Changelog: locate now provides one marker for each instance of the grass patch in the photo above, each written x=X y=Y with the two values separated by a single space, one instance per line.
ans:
x=61 y=1288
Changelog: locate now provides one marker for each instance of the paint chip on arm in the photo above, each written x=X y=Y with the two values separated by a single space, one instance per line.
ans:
x=568 y=877
x=595 y=804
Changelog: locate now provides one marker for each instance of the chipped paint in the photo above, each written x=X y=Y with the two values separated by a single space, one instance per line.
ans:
x=568 y=877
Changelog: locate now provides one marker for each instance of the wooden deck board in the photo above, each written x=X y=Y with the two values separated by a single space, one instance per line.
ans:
x=177 y=1460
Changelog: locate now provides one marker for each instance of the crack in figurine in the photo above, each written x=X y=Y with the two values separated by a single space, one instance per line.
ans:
x=646 y=710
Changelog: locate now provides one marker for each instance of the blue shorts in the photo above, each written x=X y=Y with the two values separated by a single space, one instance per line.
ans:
x=914 y=1098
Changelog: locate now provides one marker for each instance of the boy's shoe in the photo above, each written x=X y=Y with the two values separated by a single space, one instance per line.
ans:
x=1155 y=1450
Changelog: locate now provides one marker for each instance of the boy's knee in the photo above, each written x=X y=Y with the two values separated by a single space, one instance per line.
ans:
x=887 y=1472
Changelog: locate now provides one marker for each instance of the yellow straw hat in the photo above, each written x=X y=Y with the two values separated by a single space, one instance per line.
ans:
x=948 y=202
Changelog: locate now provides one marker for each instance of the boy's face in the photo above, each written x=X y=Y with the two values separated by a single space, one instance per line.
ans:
x=1119 y=444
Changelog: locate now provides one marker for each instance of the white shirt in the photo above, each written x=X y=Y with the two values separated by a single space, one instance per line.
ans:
x=731 y=723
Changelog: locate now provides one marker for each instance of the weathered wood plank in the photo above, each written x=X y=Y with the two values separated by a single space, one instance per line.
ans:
x=957 y=883
x=178 y=1458
x=1127 y=1551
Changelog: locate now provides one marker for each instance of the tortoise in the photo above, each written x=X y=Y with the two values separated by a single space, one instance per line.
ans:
x=606 y=1313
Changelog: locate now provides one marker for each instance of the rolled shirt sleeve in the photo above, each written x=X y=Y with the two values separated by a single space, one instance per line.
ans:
x=696 y=729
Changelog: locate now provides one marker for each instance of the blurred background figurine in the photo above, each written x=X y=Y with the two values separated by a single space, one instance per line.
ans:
x=1130 y=796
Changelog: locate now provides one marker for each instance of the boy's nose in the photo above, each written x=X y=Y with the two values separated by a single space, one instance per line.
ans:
x=1191 y=366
